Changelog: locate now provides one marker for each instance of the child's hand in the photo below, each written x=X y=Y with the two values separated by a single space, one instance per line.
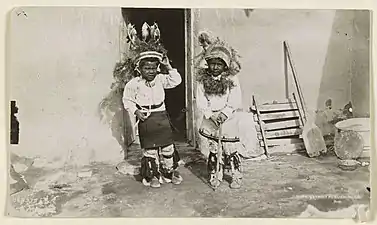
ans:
x=214 y=120
x=221 y=118
x=165 y=63
x=140 y=115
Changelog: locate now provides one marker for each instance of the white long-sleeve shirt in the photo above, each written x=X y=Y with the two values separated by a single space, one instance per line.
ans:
x=139 y=91
x=227 y=103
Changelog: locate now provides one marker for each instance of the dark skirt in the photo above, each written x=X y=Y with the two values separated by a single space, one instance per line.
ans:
x=155 y=131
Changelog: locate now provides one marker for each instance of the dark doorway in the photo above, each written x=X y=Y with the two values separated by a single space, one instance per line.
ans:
x=171 y=23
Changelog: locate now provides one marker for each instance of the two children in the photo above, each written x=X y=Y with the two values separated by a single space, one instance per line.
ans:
x=218 y=97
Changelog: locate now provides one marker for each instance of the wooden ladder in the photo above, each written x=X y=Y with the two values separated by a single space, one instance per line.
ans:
x=279 y=125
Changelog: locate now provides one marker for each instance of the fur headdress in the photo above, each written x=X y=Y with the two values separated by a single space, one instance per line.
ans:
x=217 y=48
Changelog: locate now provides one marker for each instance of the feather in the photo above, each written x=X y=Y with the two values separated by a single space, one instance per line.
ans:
x=204 y=39
x=145 y=31
x=152 y=29
x=156 y=32
x=131 y=33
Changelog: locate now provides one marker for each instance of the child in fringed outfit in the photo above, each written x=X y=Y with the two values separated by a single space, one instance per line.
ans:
x=144 y=97
x=219 y=99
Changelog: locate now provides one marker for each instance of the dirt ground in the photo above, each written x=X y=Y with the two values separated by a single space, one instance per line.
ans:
x=282 y=186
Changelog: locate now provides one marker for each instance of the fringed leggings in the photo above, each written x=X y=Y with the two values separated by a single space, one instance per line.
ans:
x=159 y=162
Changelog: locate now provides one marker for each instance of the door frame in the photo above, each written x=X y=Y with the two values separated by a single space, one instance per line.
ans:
x=190 y=85
x=189 y=77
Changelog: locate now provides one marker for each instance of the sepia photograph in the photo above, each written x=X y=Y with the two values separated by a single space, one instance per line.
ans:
x=188 y=112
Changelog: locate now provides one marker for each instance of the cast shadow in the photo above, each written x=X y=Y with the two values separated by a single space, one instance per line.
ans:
x=113 y=113
x=334 y=85
x=197 y=166
x=345 y=73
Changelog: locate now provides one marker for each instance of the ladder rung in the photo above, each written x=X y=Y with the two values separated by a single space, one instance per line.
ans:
x=282 y=101
x=259 y=136
x=265 y=108
x=283 y=133
x=282 y=125
x=278 y=115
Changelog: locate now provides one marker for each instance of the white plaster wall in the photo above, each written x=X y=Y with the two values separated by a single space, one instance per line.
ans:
x=60 y=68
x=328 y=51
x=259 y=39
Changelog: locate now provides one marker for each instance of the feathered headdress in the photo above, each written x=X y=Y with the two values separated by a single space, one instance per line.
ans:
x=148 y=46
x=216 y=48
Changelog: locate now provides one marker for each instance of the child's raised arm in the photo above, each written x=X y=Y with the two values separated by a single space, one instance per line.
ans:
x=173 y=78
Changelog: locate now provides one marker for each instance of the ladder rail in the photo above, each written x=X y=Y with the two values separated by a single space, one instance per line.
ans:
x=262 y=128
x=295 y=77
x=299 y=111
